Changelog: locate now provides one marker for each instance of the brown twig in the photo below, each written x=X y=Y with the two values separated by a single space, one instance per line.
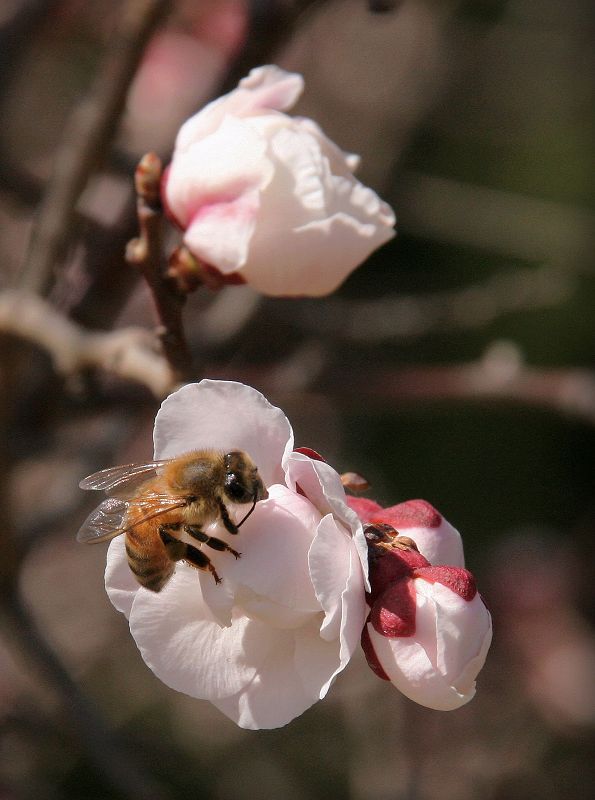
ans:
x=129 y=352
x=500 y=376
x=86 y=140
x=146 y=253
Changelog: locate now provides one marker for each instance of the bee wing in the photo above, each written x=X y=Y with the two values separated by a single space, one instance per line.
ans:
x=104 y=522
x=121 y=478
x=109 y=518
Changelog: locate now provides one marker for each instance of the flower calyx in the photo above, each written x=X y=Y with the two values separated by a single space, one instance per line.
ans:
x=390 y=557
x=186 y=273
x=147 y=180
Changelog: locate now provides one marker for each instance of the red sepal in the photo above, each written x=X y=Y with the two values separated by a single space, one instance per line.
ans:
x=393 y=613
x=390 y=565
x=364 y=508
x=307 y=451
x=410 y=514
x=459 y=580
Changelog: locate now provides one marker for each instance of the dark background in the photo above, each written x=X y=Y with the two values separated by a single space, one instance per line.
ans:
x=455 y=365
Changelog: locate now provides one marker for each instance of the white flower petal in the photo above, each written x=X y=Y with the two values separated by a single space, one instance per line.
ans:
x=338 y=578
x=265 y=87
x=186 y=649
x=322 y=486
x=341 y=163
x=330 y=560
x=434 y=536
x=276 y=615
x=219 y=597
x=441 y=545
x=300 y=154
x=410 y=670
x=274 y=542
x=272 y=87
x=461 y=630
x=277 y=694
x=437 y=666
x=354 y=610
x=220 y=168
x=322 y=255
x=220 y=233
x=317 y=661
x=225 y=416
x=120 y=584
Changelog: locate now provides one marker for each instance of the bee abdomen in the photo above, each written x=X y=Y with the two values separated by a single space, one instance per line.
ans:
x=150 y=571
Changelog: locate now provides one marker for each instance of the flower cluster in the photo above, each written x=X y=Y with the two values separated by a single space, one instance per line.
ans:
x=268 y=199
x=267 y=642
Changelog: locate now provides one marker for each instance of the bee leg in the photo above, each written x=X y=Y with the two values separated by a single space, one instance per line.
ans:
x=170 y=526
x=181 y=551
x=175 y=548
x=210 y=541
x=198 y=559
x=229 y=525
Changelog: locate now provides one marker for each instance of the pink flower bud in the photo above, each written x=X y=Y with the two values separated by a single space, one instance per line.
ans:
x=428 y=630
x=269 y=197
x=434 y=536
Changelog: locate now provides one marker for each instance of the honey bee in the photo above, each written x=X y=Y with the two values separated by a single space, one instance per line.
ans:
x=156 y=504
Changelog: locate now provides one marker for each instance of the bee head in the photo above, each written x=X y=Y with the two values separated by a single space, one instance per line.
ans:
x=242 y=481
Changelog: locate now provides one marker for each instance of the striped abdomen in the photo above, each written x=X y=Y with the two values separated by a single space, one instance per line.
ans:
x=147 y=556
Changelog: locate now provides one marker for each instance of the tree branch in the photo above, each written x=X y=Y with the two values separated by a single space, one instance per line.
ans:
x=86 y=140
x=129 y=352
x=500 y=375
x=146 y=253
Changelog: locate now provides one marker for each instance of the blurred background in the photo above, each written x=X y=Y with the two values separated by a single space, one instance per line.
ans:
x=455 y=365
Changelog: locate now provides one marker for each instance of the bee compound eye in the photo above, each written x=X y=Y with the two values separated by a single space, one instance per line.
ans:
x=235 y=489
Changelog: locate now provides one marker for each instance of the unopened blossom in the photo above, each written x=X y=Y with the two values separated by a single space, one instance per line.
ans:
x=268 y=199
x=428 y=630
x=267 y=642
x=435 y=537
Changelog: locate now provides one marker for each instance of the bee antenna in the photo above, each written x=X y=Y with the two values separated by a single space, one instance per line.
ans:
x=248 y=514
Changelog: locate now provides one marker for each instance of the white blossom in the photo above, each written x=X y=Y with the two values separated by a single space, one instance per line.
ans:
x=267 y=642
x=268 y=198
